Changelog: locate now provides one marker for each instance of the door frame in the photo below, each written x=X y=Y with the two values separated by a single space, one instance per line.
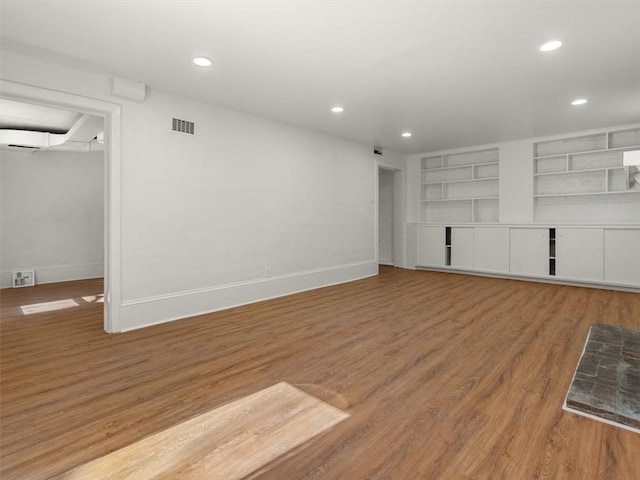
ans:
x=112 y=114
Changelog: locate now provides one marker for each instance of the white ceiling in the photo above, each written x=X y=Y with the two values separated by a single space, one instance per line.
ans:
x=453 y=73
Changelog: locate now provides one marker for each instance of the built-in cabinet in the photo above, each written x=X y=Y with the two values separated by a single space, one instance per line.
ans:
x=491 y=249
x=530 y=251
x=608 y=255
x=580 y=253
x=426 y=238
x=462 y=242
x=622 y=256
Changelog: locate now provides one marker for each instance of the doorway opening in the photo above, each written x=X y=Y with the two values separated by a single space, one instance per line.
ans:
x=385 y=217
x=391 y=237
x=81 y=225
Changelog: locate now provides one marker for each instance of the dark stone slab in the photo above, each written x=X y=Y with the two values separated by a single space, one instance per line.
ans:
x=607 y=379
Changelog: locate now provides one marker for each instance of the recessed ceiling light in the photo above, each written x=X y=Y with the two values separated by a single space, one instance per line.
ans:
x=202 y=61
x=406 y=134
x=337 y=109
x=579 y=101
x=552 y=45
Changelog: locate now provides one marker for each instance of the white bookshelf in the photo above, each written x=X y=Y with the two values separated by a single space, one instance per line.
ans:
x=460 y=187
x=582 y=179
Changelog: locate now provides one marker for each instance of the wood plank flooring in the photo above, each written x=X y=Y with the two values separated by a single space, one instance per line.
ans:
x=227 y=443
x=444 y=376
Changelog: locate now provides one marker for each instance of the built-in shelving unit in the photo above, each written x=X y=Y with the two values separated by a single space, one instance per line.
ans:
x=582 y=179
x=460 y=187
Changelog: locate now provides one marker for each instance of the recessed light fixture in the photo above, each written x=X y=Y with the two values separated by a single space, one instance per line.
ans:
x=579 y=101
x=337 y=109
x=406 y=134
x=552 y=45
x=202 y=61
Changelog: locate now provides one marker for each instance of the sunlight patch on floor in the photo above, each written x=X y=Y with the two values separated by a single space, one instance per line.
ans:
x=48 y=306
x=227 y=443
x=94 y=298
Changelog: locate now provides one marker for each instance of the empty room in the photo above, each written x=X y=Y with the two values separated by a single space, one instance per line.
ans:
x=319 y=240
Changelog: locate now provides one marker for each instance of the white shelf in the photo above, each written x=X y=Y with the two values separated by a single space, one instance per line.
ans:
x=431 y=169
x=611 y=208
x=546 y=174
x=613 y=149
x=448 y=211
x=582 y=179
x=427 y=163
x=627 y=138
x=460 y=199
x=486 y=171
x=595 y=160
x=583 y=143
x=485 y=210
x=475 y=157
x=446 y=168
x=460 y=187
x=472 y=180
x=587 y=194
x=441 y=175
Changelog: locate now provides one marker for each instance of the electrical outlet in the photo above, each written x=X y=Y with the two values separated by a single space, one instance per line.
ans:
x=267 y=272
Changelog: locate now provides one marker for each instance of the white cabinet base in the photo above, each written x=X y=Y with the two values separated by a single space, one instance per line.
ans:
x=622 y=256
x=430 y=246
x=462 y=247
x=590 y=256
x=529 y=251
x=580 y=254
x=491 y=249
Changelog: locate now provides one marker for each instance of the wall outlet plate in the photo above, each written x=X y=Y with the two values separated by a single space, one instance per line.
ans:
x=24 y=278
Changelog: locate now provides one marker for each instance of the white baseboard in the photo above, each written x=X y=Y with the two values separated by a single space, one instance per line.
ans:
x=515 y=276
x=57 y=273
x=145 y=312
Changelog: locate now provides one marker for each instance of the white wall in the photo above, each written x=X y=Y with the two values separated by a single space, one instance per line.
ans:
x=203 y=217
x=51 y=212
x=385 y=217
x=242 y=195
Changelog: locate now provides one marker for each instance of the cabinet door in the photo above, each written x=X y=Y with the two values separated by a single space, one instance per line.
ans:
x=529 y=251
x=622 y=256
x=462 y=247
x=580 y=253
x=431 y=251
x=491 y=249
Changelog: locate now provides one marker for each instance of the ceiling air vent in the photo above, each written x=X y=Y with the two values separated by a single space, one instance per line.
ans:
x=183 y=126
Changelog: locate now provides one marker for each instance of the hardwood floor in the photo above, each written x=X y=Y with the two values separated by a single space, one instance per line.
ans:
x=227 y=443
x=444 y=376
